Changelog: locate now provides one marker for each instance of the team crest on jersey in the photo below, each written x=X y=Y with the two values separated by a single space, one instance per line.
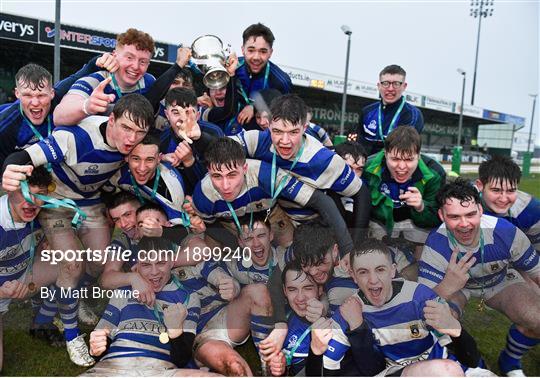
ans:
x=384 y=189
x=182 y=274
x=415 y=331
x=494 y=267
x=259 y=206
x=511 y=275
x=292 y=341
x=92 y=170
x=372 y=125
x=58 y=224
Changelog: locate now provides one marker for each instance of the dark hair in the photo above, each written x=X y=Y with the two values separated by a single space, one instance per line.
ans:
x=34 y=77
x=152 y=138
x=141 y=40
x=120 y=198
x=393 y=69
x=498 y=169
x=263 y=99
x=182 y=97
x=405 y=140
x=186 y=75
x=311 y=243
x=356 y=150
x=370 y=245
x=251 y=219
x=40 y=177
x=289 y=107
x=137 y=109
x=258 y=30
x=460 y=189
x=224 y=152
x=293 y=265
x=152 y=206
x=155 y=244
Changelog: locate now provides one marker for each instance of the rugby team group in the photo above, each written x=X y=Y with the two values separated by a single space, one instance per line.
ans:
x=350 y=260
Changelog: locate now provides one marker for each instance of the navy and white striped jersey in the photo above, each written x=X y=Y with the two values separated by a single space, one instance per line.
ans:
x=172 y=179
x=319 y=133
x=318 y=166
x=504 y=244
x=203 y=279
x=82 y=161
x=525 y=215
x=86 y=85
x=337 y=346
x=255 y=195
x=399 y=325
x=135 y=328
x=252 y=83
x=121 y=243
x=15 y=242
x=339 y=288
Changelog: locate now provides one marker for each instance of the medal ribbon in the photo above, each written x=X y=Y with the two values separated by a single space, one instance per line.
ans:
x=289 y=357
x=392 y=123
x=273 y=191
x=54 y=203
x=36 y=133
x=235 y=218
x=454 y=242
x=116 y=87
x=265 y=84
x=179 y=285
x=154 y=188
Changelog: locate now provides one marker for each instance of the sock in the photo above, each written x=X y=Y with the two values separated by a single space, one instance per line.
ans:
x=68 y=307
x=261 y=326
x=517 y=344
x=46 y=312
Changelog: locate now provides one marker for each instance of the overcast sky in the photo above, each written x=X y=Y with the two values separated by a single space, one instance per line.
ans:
x=430 y=39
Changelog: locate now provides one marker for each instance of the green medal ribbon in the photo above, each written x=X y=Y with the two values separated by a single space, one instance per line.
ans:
x=289 y=357
x=154 y=187
x=157 y=313
x=116 y=87
x=392 y=123
x=36 y=133
x=454 y=242
x=265 y=84
x=235 y=218
x=54 y=203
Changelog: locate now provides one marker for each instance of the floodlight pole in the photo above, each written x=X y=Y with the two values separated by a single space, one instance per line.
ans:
x=57 y=33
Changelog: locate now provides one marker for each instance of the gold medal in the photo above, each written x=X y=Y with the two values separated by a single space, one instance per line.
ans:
x=32 y=287
x=163 y=338
x=481 y=306
x=52 y=187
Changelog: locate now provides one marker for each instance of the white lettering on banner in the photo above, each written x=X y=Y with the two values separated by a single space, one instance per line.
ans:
x=159 y=52
x=12 y=27
x=329 y=115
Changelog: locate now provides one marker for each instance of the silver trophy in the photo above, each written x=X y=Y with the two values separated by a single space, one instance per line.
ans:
x=208 y=54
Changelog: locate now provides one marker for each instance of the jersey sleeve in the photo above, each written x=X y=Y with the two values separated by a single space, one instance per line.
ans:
x=524 y=256
x=59 y=146
x=249 y=140
x=433 y=263
x=203 y=206
x=193 y=312
x=338 y=345
x=111 y=316
x=86 y=85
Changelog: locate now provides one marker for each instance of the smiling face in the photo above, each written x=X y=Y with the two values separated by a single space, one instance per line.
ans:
x=35 y=100
x=228 y=181
x=158 y=272
x=462 y=219
x=324 y=269
x=387 y=87
x=124 y=134
x=143 y=161
x=401 y=165
x=218 y=96
x=286 y=137
x=299 y=288
x=132 y=63
x=124 y=217
x=499 y=196
x=373 y=273
x=257 y=53
x=23 y=211
x=258 y=240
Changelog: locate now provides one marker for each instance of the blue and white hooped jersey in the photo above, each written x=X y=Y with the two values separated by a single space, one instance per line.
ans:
x=338 y=288
x=525 y=215
x=255 y=195
x=172 y=203
x=15 y=242
x=504 y=245
x=203 y=279
x=253 y=274
x=86 y=85
x=135 y=328
x=318 y=166
x=399 y=325
x=337 y=346
x=318 y=133
x=82 y=161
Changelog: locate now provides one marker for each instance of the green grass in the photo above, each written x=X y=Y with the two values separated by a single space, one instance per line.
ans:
x=25 y=356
